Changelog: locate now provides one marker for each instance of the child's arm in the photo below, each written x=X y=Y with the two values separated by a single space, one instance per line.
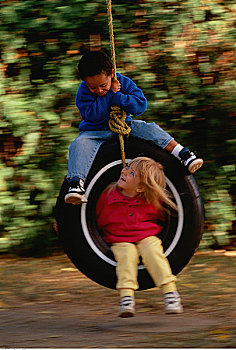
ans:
x=93 y=108
x=130 y=97
x=96 y=109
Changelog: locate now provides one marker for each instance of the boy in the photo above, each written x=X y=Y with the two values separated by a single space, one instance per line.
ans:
x=97 y=92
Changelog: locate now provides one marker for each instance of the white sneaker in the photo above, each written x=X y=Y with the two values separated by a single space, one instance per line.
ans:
x=127 y=307
x=173 y=303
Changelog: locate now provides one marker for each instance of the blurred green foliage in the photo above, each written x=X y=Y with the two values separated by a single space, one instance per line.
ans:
x=180 y=52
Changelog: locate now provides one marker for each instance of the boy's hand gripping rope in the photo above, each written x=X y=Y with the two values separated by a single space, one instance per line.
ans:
x=117 y=115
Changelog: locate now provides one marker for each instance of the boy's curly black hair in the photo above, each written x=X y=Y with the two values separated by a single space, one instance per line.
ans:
x=93 y=63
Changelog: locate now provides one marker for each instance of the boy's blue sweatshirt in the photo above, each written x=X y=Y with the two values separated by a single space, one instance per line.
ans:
x=95 y=109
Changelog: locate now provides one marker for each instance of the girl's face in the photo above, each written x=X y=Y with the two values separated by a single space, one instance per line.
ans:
x=129 y=182
x=99 y=84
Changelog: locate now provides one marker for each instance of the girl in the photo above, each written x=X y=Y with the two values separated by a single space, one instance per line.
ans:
x=127 y=213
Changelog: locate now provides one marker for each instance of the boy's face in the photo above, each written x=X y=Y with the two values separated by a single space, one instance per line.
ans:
x=99 y=84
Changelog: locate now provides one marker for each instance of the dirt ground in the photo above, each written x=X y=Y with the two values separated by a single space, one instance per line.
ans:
x=48 y=303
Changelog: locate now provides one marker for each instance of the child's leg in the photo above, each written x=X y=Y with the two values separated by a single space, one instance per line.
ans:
x=152 y=132
x=156 y=263
x=159 y=269
x=127 y=258
x=82 y=152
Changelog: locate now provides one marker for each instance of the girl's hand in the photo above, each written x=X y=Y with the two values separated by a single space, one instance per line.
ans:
x=115 y=85
x=55 y=227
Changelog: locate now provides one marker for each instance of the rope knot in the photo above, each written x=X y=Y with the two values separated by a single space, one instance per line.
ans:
x=118 y=125
x=117 y=121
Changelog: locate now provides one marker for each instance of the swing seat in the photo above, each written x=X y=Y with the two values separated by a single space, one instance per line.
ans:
x=77 y=226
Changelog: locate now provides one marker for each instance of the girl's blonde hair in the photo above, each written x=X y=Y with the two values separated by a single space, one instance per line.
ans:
x=152 y=177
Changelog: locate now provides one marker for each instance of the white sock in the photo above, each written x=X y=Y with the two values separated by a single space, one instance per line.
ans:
x=176 y=150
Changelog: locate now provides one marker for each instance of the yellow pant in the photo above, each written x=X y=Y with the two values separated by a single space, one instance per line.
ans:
x=151 y=251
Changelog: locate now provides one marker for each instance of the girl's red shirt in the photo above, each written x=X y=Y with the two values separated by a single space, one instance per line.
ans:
x=126 y=219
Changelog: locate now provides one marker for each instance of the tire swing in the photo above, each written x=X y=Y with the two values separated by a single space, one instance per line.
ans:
x=77 y=225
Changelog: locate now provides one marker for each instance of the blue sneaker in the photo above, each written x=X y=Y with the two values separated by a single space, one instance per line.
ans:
x=190 y=160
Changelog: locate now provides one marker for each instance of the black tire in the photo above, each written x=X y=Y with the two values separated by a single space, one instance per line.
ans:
x=77 y=227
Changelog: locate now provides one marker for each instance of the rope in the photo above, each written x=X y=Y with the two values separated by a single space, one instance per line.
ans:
x=116 y=122
x=112 y=41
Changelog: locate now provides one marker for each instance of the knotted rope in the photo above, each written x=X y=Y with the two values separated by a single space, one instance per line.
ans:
x=117 y=115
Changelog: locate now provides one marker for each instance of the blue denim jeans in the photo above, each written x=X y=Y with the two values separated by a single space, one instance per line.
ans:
x=83 y=149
